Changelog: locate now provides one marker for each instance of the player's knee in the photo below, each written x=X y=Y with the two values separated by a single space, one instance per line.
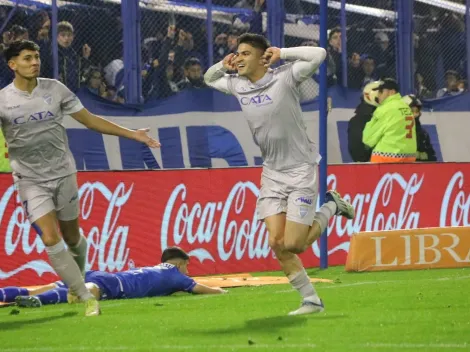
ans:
x=276 y=243
x=294 y=245
x=50 y=237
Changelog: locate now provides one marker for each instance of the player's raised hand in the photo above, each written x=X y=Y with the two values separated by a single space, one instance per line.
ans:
x=271 y=56
x=229 y=63
x=142 y=136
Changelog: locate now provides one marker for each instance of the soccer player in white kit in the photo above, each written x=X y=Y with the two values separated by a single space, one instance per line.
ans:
x=287 y=201
x=32 y=111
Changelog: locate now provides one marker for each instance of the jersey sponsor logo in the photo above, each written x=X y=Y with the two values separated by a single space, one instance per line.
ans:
x=257 y=100
x=13 y=107
x=36 y=117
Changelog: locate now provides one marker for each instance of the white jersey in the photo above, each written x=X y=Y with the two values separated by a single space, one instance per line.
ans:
x=272 y=107
x=34 y=130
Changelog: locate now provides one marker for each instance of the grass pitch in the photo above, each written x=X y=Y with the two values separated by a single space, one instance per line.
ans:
x=389 y=311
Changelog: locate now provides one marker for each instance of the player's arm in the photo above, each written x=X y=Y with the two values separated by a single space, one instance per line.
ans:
x=203 y=289
x=373 y=130
x=104 y=126
x=184 y=283
x=307 y=59
x=216 y=76
x=71 y=105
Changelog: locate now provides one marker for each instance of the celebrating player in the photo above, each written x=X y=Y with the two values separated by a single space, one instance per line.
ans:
x=287 y=201
x=32 y=110
x=161 y=280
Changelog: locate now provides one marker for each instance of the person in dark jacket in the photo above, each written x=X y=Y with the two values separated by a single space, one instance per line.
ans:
x=359 y=151
x=425 y=149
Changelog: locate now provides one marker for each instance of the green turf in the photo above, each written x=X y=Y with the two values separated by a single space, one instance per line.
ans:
x=390 y=311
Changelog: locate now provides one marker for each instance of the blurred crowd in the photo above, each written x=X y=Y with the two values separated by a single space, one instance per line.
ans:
x=174 y=46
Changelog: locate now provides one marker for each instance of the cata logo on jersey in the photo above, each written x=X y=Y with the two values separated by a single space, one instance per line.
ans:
x=36 y=117
x=258 y=100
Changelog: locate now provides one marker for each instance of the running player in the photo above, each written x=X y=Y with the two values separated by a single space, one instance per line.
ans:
x=32 y=111
x=287 y=201
x=162 y=280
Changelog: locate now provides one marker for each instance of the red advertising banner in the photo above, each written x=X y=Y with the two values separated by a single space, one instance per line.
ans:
x=128 y=217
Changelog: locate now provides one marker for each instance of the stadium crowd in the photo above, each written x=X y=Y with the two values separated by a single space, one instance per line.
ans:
x=174 y=48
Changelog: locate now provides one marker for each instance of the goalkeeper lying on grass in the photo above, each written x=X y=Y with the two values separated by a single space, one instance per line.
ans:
x=161 y=280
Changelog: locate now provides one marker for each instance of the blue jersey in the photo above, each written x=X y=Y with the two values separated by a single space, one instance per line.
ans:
x=161 y=280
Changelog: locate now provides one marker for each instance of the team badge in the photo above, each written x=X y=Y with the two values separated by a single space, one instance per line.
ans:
x=47 y=99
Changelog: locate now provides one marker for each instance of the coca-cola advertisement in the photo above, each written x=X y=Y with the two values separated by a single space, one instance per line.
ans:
x=129 y=217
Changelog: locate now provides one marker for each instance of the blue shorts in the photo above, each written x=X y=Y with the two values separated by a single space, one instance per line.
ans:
x=110 y=286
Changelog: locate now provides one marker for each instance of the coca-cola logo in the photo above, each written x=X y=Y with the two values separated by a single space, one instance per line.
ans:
x=198 y=225
x=107 y=243
x=455 y=207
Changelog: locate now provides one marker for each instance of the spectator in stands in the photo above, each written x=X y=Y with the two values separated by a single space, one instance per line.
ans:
x=72 y=67
x=185 y=48
x=40 y=26
x=160 y=81
x=193 y=75
x=221 y=49
x=114 y=95
x=225 y=44
x=452 y=87
x=355 y=73
x=114 y=70
x=94 y=82
x=421 y=91
x=334 y=52
x=425 y=149
x=362 y=115
x=361 y=71
x=462 y=85
x=368 y=69
x=391 y=133
x=384 y=55
x=15 y=33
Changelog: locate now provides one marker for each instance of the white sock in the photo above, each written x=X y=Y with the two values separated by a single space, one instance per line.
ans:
x=324 y=214
x=301 y=282
x=67 y=269
x=79 y=253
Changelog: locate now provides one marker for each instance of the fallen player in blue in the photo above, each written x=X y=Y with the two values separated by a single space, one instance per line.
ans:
x=162 y=280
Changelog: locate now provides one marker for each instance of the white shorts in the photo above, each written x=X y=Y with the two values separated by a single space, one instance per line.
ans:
x=293 y=191
x=40 y=198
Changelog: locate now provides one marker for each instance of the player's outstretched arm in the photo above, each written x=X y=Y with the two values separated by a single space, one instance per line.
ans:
x=104 y=126
x=203 y=289
x=307 y=58
x=216 y=76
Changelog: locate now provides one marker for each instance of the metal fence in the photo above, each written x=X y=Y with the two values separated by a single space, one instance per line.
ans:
x=440 y=48
x=82 y=41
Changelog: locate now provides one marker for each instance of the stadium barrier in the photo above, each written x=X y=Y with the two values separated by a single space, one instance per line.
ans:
x=129 y=217
x=428 y=248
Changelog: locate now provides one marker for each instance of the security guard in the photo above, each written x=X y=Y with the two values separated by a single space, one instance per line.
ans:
x=392 y=132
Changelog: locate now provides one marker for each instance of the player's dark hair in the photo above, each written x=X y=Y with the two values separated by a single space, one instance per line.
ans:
x=255 y=40
x=174 y=253
x=17 y=47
